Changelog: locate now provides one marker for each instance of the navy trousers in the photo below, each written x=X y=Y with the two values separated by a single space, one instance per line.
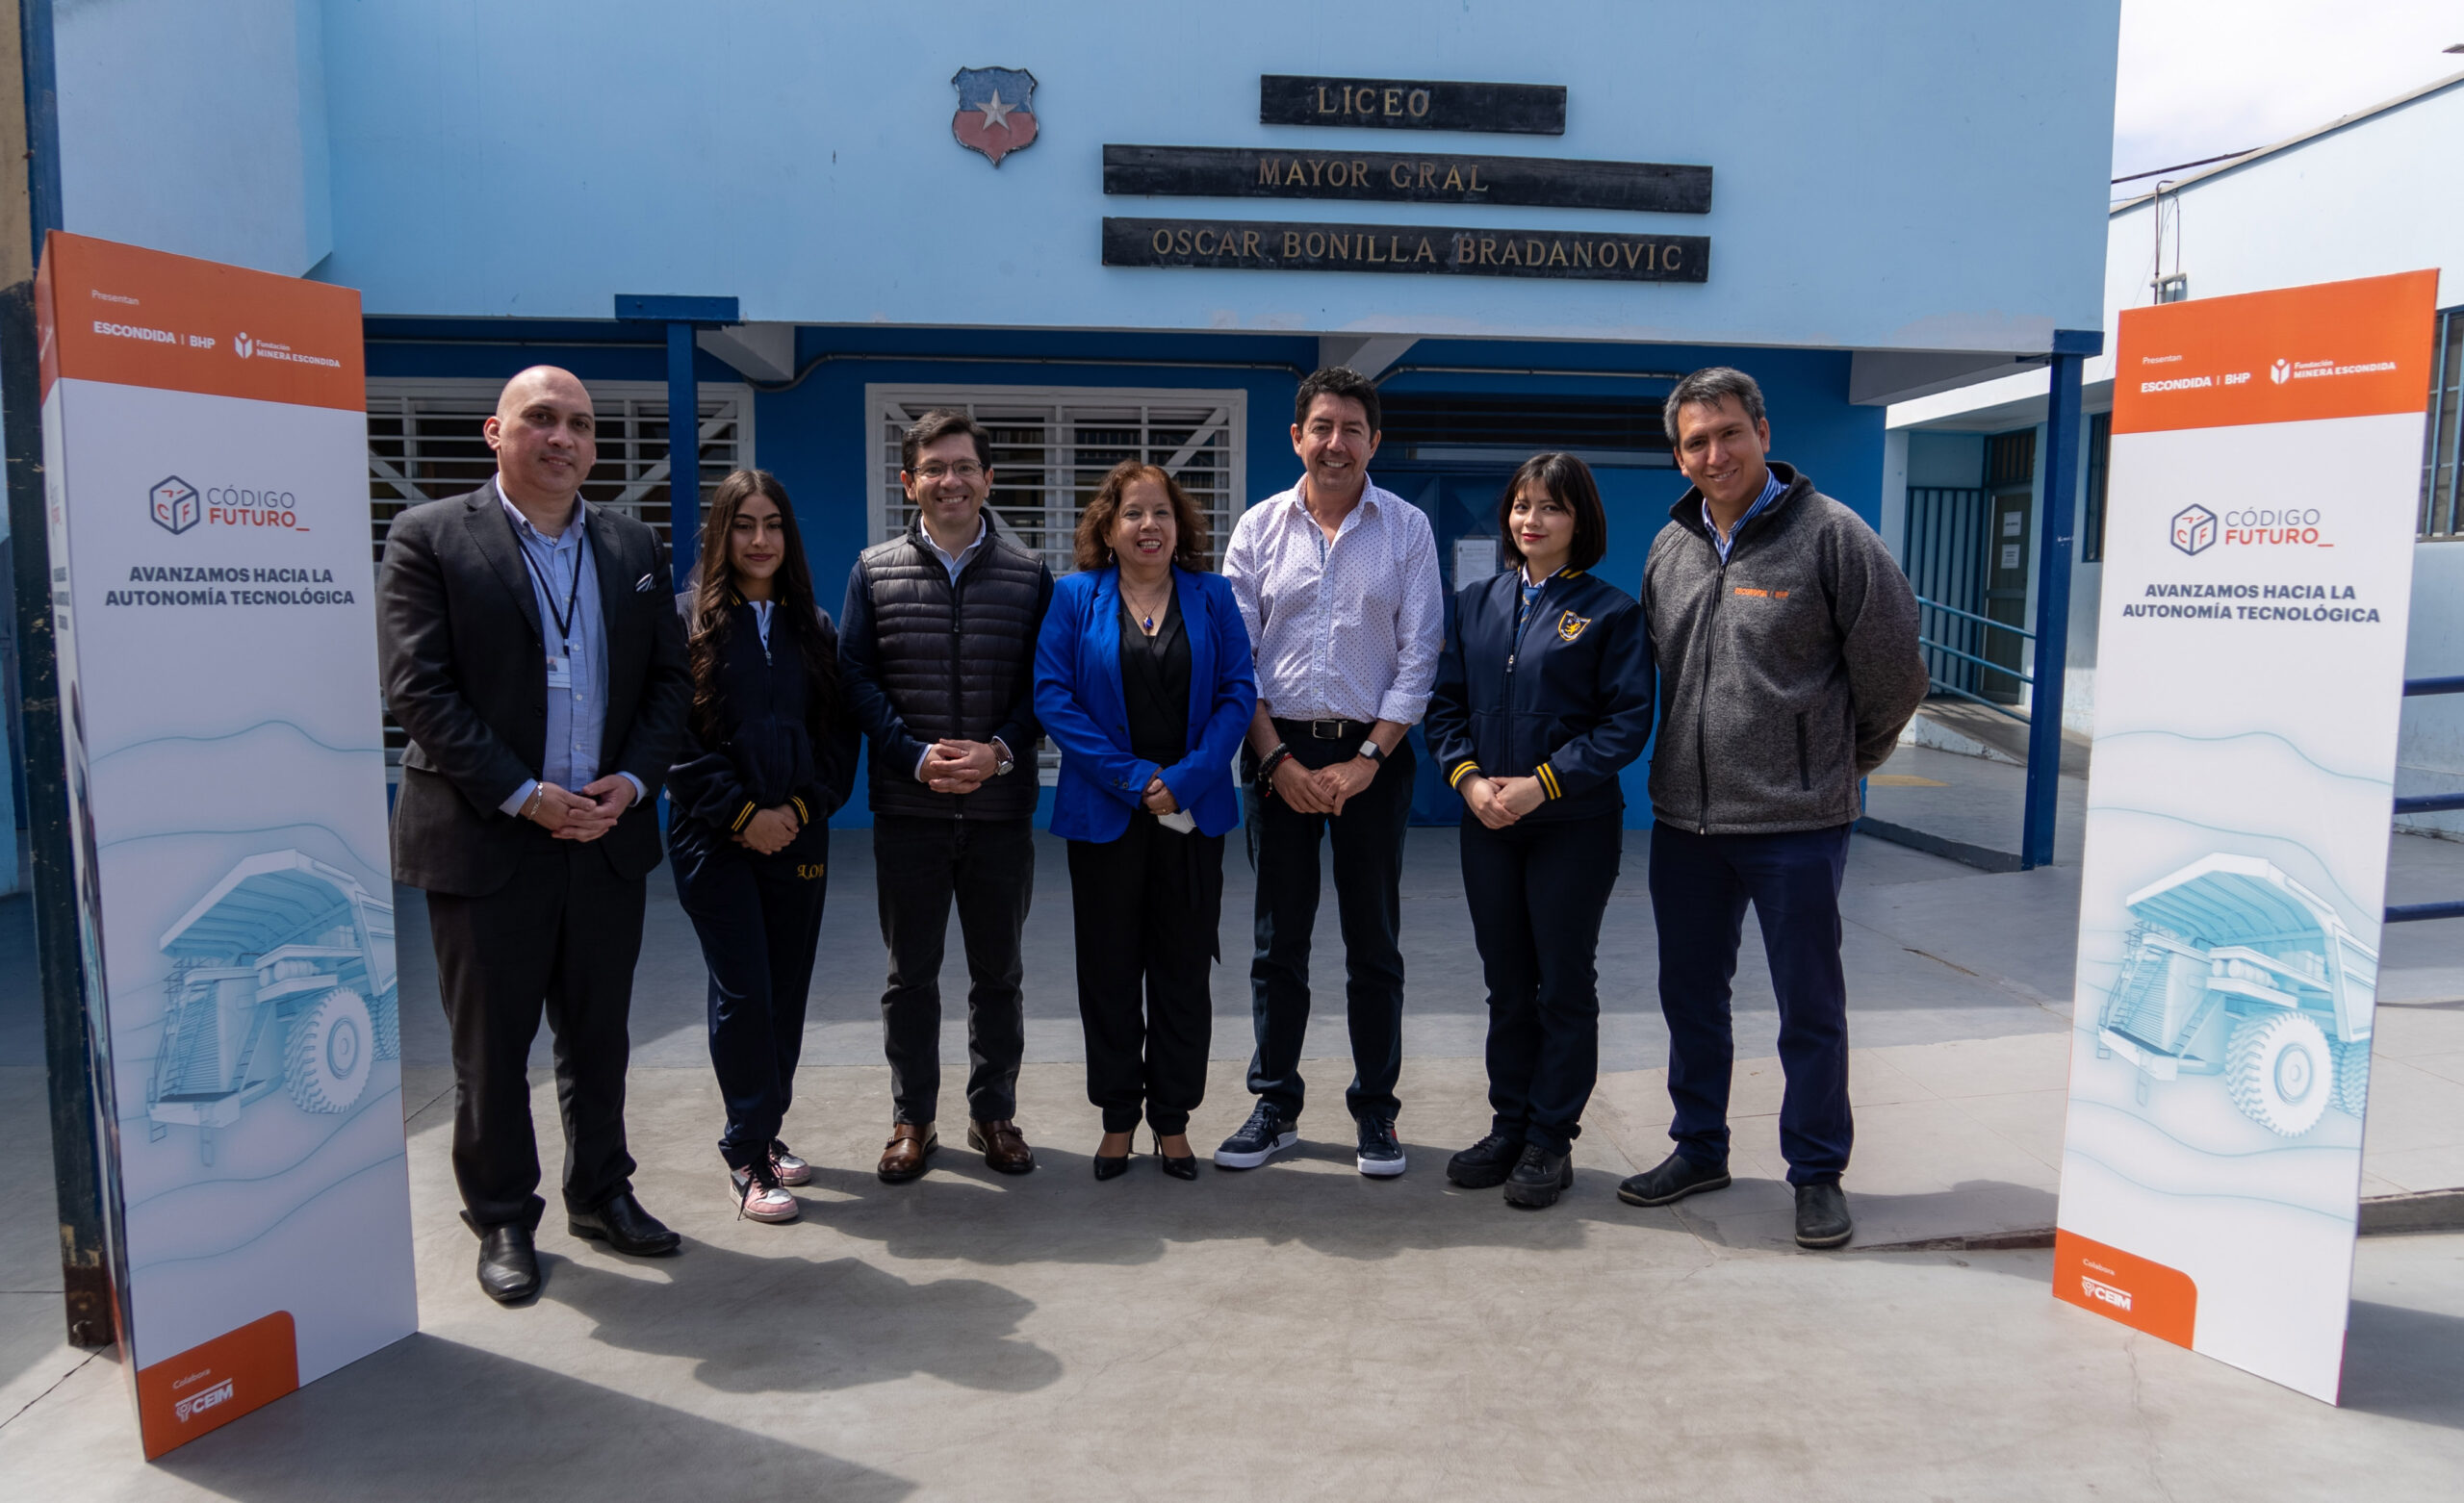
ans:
x=759 y=919
x=1537 y=892
x=1700 y=887
x=1367 y=840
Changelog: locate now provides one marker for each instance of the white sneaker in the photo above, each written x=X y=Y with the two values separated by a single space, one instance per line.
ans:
x=759 y=1196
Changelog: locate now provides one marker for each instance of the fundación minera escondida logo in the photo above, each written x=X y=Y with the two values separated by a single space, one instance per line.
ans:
x=2194 y=529
x=175 y=504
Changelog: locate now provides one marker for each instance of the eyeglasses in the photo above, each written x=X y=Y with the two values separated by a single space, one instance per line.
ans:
x=964 y=469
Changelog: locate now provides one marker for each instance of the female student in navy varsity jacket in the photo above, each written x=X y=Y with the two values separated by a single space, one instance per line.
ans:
x=1543 y=694
x=769 y=754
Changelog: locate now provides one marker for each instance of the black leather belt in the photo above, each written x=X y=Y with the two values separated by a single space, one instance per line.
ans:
x=1323 y=730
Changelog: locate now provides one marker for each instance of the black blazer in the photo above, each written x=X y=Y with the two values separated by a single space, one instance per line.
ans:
x=462 y=658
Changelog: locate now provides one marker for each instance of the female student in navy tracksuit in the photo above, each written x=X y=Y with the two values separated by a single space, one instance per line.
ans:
x=769 y=753
x=1143 y=679
x=1543 y=694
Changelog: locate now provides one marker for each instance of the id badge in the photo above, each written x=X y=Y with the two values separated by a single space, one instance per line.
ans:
x=560 y=671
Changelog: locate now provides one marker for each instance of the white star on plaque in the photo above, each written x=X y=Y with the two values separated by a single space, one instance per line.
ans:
x=996 y=113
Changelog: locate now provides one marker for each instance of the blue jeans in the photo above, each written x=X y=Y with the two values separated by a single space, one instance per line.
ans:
x=1700 y=887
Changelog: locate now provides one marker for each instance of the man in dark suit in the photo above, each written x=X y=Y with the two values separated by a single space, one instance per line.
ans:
x=531 y=650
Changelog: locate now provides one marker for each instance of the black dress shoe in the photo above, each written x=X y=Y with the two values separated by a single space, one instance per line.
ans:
x=1822 y=1216
x=1539 y=1178
x=1184 y=1167
x=1674 y=1178
x=509 y=1263
x=625 y=1226
x=1110 y=1166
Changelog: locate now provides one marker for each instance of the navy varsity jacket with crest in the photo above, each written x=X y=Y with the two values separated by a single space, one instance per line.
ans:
x=1567 y=698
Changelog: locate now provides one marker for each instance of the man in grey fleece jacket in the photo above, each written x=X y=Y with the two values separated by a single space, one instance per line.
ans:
x=1786 y=640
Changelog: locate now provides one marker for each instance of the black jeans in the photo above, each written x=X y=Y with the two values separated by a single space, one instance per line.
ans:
x=759 y=919
x=1367 y=839
x=988 y=866
x=559 y=939
x=1148 y=908
x=1537 y=892
x=1700 y=887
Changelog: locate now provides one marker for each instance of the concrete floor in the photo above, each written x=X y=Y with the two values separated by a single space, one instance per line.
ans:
x=1300 y=1331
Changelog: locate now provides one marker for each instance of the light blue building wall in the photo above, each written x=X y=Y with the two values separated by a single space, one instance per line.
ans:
x=1904 y=198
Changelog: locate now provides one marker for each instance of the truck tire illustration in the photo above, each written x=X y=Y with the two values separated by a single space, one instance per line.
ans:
x=331 y=1053
x=2277 y=1071
x=2232 y=968
x=282 y=977
x=2352 y=1077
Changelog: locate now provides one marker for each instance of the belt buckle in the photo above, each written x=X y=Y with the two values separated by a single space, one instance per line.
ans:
x=1326 y=729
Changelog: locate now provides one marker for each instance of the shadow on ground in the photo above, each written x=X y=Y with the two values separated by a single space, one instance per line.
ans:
x=2404 y=1364
x=379 y=1430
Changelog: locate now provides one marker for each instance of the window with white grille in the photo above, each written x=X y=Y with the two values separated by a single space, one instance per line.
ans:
x=423 y=443
x=1052 y=446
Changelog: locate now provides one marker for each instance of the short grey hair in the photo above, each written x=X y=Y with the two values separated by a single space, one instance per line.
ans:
x=1706 y=387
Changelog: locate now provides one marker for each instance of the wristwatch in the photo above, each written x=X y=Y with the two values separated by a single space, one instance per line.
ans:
x=1003 y=760
x=1373 y=751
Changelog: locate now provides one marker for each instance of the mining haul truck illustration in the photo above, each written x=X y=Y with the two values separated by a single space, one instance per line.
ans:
x=2232 y=968
x=282 y=977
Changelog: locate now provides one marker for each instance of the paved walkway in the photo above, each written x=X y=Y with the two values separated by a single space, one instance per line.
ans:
x=1301 y=1332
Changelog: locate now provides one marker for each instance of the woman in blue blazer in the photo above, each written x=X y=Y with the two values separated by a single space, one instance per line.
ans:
x=1143 y=680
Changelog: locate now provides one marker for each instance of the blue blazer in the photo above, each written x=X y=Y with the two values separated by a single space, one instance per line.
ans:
x=1079 y=699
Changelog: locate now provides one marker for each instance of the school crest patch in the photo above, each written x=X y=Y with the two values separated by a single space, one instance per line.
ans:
x=1569 y=626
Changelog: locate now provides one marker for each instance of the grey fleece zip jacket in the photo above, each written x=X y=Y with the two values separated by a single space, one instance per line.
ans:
x=1785 y=673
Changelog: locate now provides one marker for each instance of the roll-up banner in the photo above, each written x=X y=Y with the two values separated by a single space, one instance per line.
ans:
x=2265 y=470
x=205 y=445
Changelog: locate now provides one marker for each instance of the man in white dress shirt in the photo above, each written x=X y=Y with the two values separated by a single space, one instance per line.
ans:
x=1338 y=583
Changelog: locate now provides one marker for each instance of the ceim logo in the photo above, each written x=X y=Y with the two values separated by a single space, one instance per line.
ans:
x=195 y=1404
x=2280 y=372
x=175 y=504
x=248 y=346
x=2194 y=529
x=2099 y=1289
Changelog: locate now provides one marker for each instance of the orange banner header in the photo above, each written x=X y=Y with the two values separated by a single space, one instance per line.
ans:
x=2337 y=350
x=134 y=316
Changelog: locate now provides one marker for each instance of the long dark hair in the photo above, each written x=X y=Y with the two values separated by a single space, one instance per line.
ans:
x=713 y=589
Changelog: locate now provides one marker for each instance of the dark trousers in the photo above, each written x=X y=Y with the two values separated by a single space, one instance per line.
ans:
x=988 y=867
x=759 y=919
x=1538 y=892
x=1700 y=887
x=1147 y=909
x=1368 y=838
x=559 y=938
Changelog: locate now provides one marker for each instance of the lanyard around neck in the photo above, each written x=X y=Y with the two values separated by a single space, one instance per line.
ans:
x=564 y=618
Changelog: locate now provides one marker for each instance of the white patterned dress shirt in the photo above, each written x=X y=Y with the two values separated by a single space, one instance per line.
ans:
x=1343 y=630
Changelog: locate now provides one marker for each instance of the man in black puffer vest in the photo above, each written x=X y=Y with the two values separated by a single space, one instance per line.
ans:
x=937 y=646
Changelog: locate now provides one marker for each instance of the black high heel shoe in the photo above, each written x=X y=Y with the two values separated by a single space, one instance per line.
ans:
x=1184 y=1167
x=1111 y=1168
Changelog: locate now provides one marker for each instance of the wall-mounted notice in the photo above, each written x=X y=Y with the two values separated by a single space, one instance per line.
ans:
x=2258 y=565
x=205 y=442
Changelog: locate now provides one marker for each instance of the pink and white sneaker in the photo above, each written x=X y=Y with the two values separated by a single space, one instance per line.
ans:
x=790 y=1169
x=759 y=1196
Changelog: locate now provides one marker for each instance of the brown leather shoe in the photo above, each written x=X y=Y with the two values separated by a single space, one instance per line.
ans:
x=903 y=1155
x=1002 y=1146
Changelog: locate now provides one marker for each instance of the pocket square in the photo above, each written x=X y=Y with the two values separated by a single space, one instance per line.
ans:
x=644 y=585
